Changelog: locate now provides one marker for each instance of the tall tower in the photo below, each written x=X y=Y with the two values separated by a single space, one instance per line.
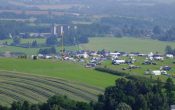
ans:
x=54 y=30
x=62 y=39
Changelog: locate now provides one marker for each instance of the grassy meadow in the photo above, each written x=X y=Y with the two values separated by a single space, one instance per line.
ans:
x=98 y=43
x=127 y=44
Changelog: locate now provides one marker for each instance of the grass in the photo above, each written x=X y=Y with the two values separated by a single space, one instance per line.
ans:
x=59 y=69
x=109 y=43
x=28 y=51
x=127 y=44
x=16 y=86
x=29 y=40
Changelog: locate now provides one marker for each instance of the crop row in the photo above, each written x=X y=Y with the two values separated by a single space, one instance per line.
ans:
x=57 y=84
x=36 y=89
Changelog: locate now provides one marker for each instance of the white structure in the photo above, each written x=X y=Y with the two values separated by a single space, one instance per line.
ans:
x=159 y=58
x=84 y=55
x=169 y=56
x=119 y=62
x=114 y=54
x=48 y=57
x=156 y=72
x=150 y=54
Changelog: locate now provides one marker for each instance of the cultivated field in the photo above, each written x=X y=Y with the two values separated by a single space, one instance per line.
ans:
x=37 y=89
x=127 y=44
x=59 y=69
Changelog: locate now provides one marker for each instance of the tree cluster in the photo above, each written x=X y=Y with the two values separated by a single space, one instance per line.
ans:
x=15 y=28
x=169 y=50
x=53 y=103
x=51 y=41
x=138 y=95
x=47 y=51
x=164 y=35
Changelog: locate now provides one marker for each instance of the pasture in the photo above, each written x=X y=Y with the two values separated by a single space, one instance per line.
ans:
x=37 y=89
x=98 y=43
x=127 y=44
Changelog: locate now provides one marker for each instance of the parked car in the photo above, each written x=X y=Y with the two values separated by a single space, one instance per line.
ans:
x=90 y=65
x=146 y=63
x=166 y=68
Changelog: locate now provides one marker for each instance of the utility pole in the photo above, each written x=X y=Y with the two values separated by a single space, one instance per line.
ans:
x=77 y=43
x=62 y=40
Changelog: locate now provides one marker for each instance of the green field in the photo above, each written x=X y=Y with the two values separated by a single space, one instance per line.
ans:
x=127 y=44
x=109 y=43
x=59 y=69
x=37 y=89
x=29 y=40
x=36 y=81
x=28 y=51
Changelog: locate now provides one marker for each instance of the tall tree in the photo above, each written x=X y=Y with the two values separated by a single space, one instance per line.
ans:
x=123 y=106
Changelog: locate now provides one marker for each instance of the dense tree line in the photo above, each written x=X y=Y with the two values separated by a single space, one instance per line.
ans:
x=169 y=50
x=15 y=28
x=164 y=34
x=138 y=95
x=132 y=27
x=51 y=41
x=53 y=103
x=45 y=51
